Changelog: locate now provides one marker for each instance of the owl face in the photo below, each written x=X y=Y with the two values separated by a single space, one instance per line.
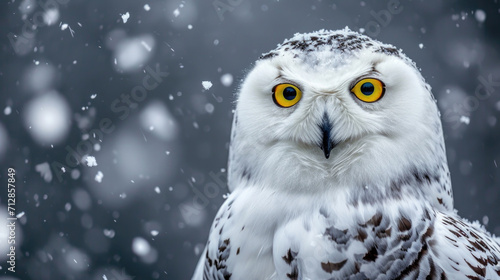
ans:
x=343 y=112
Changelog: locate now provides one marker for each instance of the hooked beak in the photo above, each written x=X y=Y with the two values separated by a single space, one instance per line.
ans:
x=327 y=144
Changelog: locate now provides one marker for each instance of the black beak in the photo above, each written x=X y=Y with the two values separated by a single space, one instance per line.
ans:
x=327 y=144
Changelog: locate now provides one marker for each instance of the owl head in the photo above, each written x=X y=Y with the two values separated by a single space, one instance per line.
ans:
x=333 y=109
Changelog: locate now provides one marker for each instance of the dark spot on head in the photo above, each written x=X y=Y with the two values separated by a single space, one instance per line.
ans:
x=427 y=178
x=389 y=51
x=268 y=55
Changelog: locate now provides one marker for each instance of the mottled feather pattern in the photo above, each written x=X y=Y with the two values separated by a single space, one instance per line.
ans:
x=380 y=247
x=344 y=41
x=472 y=251
x=217 y=255
x=410 y=241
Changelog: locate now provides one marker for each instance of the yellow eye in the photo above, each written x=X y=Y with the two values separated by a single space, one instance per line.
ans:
x=369 y=90
x=286 y=95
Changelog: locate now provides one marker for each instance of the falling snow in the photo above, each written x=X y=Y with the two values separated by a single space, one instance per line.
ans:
x=206 y=85
x=48 y=118
x=131 y=53
x=209 y=107
x=51 y=16
x=125 y=17
x=226 y=80
x=109 y=233
x=91 y=161
x=465 y=120
x=480 y=16
x=99 y=176
x=44 y=170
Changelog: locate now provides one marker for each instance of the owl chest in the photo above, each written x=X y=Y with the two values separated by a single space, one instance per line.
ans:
x=259 y=238
x=241 y=241
x=272 y=239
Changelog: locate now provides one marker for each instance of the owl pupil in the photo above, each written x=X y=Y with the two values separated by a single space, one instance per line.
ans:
x=367 y=88
x=289 y=93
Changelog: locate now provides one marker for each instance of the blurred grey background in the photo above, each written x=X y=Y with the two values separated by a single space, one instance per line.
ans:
x=120 y=166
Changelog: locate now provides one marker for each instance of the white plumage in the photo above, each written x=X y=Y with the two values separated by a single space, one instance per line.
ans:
x=338 y=170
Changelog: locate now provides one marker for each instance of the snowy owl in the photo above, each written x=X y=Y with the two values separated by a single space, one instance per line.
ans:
x=337 y=170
